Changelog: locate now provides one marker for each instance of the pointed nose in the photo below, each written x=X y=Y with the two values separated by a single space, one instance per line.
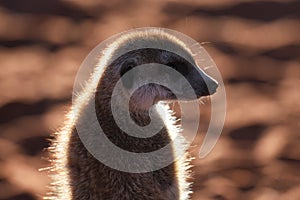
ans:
x=211 y=84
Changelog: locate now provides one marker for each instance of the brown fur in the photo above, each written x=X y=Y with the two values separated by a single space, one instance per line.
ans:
x=77 y=175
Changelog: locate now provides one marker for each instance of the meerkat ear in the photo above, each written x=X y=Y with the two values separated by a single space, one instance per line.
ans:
x=128 y=79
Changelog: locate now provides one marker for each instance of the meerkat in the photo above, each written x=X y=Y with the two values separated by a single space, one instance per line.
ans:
x=77 y=175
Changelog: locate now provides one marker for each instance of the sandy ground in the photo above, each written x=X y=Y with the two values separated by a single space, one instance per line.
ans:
x=255 y=44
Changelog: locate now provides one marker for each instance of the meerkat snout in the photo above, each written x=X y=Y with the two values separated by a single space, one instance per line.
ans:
x=148 y=94
x=208 y=85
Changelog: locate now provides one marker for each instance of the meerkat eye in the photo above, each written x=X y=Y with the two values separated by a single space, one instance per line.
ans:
x=127 y=66
x=128 y=80
x=179 y=66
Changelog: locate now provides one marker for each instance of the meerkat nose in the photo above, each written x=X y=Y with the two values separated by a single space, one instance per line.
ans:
x=211 y=84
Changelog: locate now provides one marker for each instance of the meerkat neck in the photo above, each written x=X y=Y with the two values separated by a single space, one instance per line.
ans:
x=140 y=117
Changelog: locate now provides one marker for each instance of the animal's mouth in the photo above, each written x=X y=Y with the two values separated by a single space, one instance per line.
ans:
x=195 y=96
x=199 y=100
x=184 y=95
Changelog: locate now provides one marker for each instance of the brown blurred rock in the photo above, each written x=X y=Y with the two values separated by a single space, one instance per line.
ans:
x=291 y=194
x=271 y=144
x=222 y=188
x=292 y=150
x=243 y=179
x=265 y=194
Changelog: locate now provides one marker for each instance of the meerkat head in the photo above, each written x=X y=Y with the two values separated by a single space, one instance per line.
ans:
x=146 y=94
x=164 y=53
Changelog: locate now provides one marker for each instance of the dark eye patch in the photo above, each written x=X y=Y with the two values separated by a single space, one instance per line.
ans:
x=127 y=66
x=179 y=66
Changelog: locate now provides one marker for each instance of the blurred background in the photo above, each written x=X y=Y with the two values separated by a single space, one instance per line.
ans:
x=255 y=44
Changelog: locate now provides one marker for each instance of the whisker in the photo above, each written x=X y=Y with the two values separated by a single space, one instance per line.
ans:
x=204 y=43
x=208 y=67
